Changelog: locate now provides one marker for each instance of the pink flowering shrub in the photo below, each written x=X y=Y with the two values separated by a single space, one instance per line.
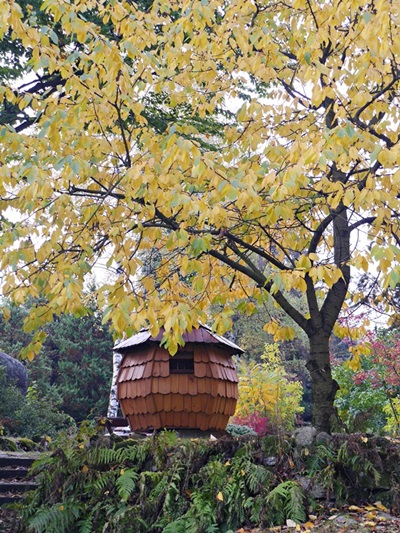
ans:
x=255 y=421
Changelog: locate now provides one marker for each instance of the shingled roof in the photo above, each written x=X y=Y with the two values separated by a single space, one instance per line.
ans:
x=202 y=334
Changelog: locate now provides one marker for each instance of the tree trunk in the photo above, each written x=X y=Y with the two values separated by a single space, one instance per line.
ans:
x=324 y=387
x=113 y=402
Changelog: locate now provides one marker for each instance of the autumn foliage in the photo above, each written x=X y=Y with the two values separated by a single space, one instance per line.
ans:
x=269 y=399
x=248 y=145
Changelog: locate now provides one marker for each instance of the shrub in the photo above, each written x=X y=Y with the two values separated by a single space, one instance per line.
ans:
x=237 y=430
x=267 y=393
x=258 y=423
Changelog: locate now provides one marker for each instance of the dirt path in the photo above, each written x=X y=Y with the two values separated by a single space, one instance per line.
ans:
x=373 y=518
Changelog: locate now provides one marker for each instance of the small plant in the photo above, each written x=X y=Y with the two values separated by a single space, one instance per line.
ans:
x=237 y=430
x=287 y=501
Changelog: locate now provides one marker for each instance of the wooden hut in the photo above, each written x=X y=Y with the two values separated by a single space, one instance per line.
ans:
x=197 y=388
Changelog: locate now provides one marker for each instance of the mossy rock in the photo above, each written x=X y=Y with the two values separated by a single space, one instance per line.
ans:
x=126 y=443
x=26 y=444
x=8 y=445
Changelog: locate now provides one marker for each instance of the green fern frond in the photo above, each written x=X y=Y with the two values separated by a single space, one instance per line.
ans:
x=56 y=519
x=85 y=526
x=287 y=501
x=126 y=484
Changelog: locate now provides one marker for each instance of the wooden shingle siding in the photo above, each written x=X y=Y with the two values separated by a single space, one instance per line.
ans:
x=152 y=398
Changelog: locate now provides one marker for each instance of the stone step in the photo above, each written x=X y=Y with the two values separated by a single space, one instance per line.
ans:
x=18 y=459
x=13 y=473
x=14 y=467
x=10 y=499
x=16 y=486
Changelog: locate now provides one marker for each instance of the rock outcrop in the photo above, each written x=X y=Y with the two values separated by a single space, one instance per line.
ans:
x=15 y=371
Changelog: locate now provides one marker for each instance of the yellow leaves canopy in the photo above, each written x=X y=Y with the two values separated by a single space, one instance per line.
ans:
x=234 y=146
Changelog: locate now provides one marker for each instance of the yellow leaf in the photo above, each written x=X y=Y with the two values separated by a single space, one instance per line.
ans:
x=85 y=469
x=354 y=508
x=220 y=496
x=61 y=508
x=121 y=472
x=369 y=523
x=380 y=506
x=364 y=439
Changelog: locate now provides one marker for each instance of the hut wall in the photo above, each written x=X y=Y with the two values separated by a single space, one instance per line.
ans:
x=151 y=397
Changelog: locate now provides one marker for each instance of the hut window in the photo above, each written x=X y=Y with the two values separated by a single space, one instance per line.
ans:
x=181 y=363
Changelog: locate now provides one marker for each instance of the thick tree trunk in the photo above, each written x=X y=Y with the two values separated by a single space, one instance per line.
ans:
x=113 y=402
x=324 y=387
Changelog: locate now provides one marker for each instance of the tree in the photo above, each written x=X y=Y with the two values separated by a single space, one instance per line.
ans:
x=73 y=370
x=306 y=166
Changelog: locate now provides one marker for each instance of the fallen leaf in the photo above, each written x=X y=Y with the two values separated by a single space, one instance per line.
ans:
x=380 y=506
x=364 y=439
x=84 y=469
x=369 y=523
x=312 y=517
x=370 y=508
x=355 y=508
x=309 y=525
x=291 y=523
x=220 y=496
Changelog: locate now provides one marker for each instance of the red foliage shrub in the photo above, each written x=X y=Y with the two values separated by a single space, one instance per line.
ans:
x=255 y=421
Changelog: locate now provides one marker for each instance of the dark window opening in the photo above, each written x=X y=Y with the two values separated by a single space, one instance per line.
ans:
x=181 y=363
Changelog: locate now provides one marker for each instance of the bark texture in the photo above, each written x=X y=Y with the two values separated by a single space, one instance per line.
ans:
x=324 y=387
x=113 y=403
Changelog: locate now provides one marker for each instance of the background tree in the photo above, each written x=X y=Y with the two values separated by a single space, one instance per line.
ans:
x=72 y=373
x=308 y=162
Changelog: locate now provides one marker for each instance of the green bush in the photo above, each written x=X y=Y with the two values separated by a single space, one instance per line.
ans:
x=39 y=416
x=236 y=430
x=33 y=415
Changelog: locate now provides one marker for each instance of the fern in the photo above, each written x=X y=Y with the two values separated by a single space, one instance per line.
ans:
x=126 y=484
x=287 y=501
x=85 y=526
x=56 y=519
x=103 y=481
x=257 y=477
